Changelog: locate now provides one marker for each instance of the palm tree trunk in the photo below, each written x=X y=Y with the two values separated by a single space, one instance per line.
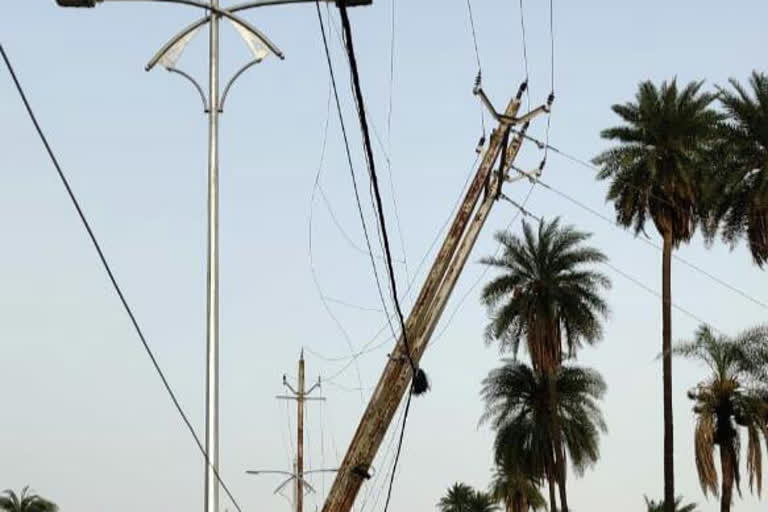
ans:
x=666 y=347
x=728 y=470
x=560 y=468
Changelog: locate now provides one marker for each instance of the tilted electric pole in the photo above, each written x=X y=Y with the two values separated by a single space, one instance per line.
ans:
x=431 y=301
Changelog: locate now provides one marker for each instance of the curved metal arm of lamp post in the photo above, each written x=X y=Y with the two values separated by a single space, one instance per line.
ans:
x=220 y=12
x=202 y=21
x=194 y=82
x=232 y=81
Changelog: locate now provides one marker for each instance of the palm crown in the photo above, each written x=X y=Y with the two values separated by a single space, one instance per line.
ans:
x=741 y=203
x=657 y=166
x=27 y=501
x=546 y=290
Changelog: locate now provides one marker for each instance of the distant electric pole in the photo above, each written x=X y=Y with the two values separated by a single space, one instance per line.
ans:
x=301 y=395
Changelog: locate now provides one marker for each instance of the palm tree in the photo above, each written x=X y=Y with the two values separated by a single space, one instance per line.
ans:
x=656 y=171
x=547 y=295
x=26 y=502
x=463 y=498
x=531 y=429
x=741 y=202
x=732 y=397
x=483 y=502
x=516 y=490
x=654 y=506
x=457 y=499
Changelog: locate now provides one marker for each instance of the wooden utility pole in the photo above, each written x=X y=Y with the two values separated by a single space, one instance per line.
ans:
x=430 y=303
x=300 y=396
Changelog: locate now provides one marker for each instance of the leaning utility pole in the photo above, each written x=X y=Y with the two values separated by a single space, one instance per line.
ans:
x=301 y=395
x=431 y=301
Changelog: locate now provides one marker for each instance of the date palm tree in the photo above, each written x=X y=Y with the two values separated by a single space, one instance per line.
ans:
x=656 y=171
x=27 y=501
x=732 y=397
x=549 y=297
x=547 y=294
x=654 y=506
x=741 y=203
x=531 y=429
x=461 y=497
x=519 y=492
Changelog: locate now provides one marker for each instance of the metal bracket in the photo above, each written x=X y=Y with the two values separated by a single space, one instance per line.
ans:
x=511 y=120
x=194 y=82
x=232 y=81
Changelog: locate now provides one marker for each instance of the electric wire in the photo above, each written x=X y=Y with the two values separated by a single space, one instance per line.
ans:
x=390 y=109
x=419 y=377
x=112 y=278
x=351 y=166
x=525 y=52
x=482 y=275
x=323 y=298
x=580 y=204
x=644 y=286
x=479 y=76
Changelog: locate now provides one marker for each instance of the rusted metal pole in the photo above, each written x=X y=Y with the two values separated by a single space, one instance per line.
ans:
x=300 y=440
x=396 y=377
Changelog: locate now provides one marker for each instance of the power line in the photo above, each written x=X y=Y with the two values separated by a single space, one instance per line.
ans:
x=648 y=289
x=479 y=77
x=420 y=383
x=323 y=298
x=112 y=278
x=351 y=166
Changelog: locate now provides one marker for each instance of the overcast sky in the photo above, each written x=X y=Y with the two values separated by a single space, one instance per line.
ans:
x=86 y=421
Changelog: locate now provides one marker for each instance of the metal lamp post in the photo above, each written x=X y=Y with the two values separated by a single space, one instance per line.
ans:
x=261 y=46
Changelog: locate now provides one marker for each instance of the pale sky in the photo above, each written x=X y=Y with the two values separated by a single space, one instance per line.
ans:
x=86 y=421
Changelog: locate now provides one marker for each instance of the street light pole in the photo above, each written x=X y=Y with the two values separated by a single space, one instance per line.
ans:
x=212 y=341
x=213 y=105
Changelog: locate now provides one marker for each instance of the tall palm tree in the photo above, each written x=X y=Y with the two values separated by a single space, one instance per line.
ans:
x=518 y=491
x=656 y=171
x=547 y=294
x=741 y=201
x=732 y=397
x=531 y=429
x=27 y=501
x=654 y=506
x=549 y=297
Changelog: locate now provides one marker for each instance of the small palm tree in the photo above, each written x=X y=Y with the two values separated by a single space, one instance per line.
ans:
x=517 y=491
x=654 y=506
x=25 y=502
x=483 y=502
x=741 y=202
x=732 y=397
x=531 y=430
x=656 y=171
x=458 y=498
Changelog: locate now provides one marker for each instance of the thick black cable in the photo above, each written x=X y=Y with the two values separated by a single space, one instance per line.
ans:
x=420 y=382
x=352 y=168
x=399 y=448
x=111 y=276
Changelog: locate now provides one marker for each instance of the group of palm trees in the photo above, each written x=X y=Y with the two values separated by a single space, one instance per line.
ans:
x=686 y=159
